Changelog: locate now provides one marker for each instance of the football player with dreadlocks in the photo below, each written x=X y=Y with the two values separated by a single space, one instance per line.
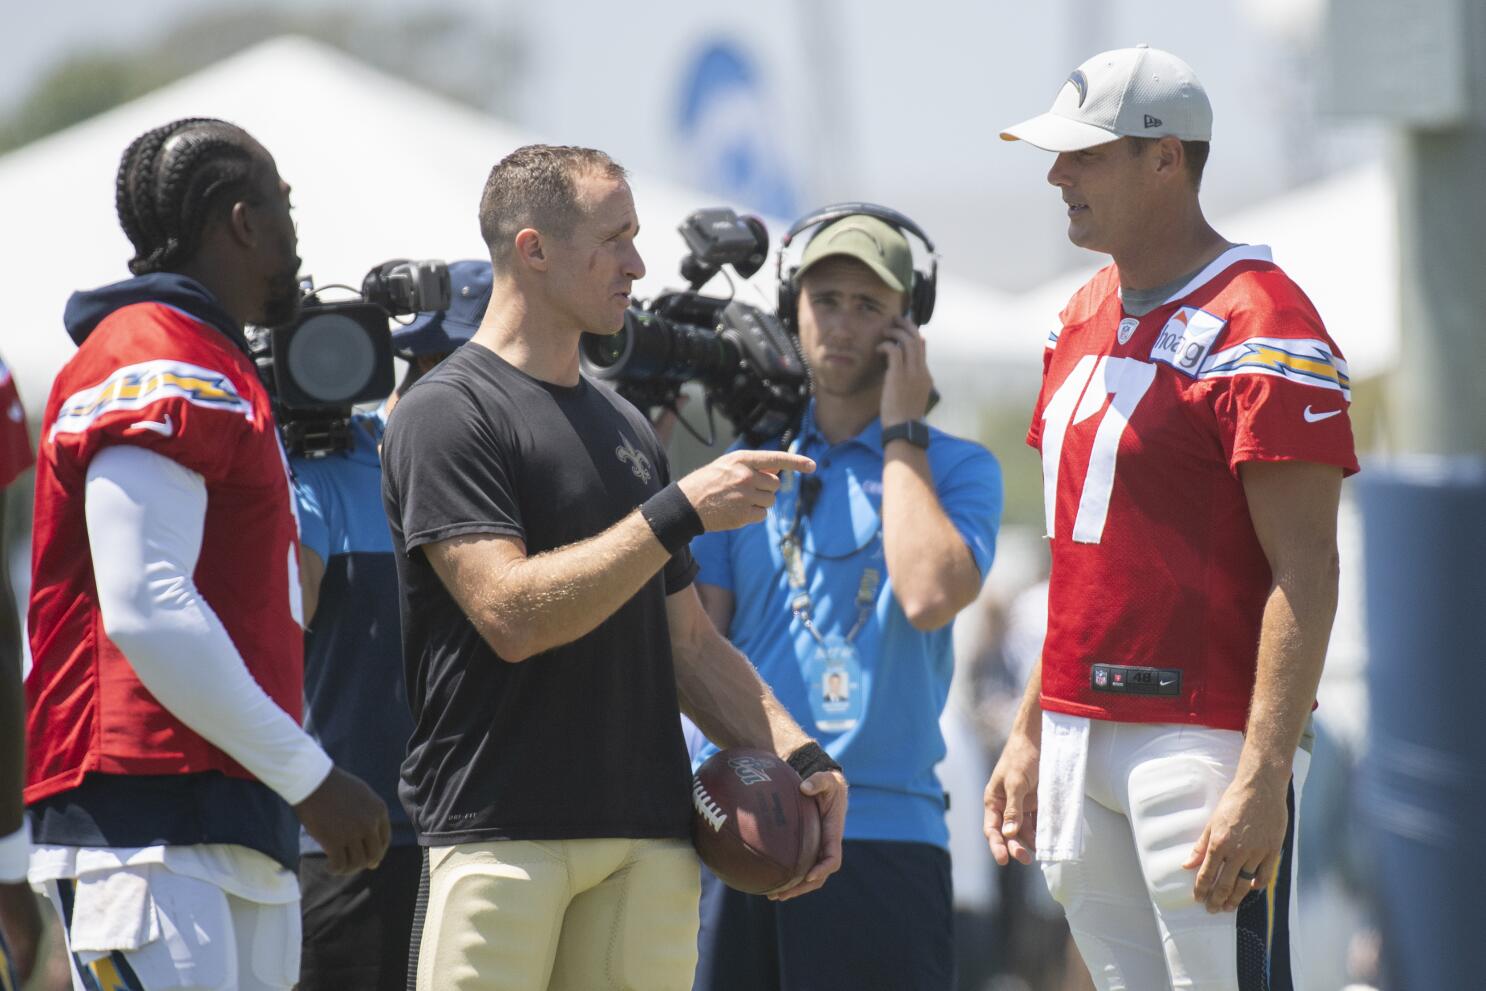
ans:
x=166 y=764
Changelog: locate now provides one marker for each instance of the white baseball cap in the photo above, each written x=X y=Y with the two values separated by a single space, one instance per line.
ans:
x=1138 y=92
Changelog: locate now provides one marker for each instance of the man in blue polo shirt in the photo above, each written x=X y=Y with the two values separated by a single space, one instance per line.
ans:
x=357 y=928
x=844 y=597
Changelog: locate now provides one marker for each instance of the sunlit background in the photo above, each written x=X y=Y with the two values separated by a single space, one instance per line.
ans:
x=1348 y=136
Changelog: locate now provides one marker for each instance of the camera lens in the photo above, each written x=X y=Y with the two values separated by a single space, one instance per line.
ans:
x=331 y=358
x=605 y=350
x=652 y=348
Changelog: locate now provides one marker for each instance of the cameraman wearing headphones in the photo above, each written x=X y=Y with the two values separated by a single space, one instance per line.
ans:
x=357 y=928
x=844 y=597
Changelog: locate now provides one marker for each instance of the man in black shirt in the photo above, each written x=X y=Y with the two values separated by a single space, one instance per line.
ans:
x=550 y=628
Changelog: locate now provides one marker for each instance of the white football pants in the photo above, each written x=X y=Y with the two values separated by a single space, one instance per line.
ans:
x=1149 y=790
x=185 y=935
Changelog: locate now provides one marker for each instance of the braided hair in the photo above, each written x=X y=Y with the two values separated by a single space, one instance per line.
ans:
x=172 y=179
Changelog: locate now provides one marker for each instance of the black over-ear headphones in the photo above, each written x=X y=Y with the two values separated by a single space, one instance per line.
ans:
x=920 y=294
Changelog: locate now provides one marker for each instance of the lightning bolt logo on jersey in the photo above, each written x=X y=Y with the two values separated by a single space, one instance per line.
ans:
x=139 y=386
x=1155 y=563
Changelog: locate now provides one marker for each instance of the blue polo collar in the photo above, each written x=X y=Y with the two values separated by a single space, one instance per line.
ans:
x=869 y=437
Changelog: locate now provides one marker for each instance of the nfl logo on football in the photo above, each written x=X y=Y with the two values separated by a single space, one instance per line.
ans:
x=749 y=770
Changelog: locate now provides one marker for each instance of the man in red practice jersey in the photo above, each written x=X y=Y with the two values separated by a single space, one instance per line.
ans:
x=165 y=761
x=1194 y=434
x=20 y=923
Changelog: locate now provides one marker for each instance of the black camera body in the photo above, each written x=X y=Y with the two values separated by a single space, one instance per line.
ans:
x=336 y=355
x=749 y=368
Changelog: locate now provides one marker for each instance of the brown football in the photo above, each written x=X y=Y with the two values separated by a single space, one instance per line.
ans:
x=750 y=824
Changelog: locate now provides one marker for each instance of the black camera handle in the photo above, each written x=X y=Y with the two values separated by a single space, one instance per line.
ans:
x=711 y=437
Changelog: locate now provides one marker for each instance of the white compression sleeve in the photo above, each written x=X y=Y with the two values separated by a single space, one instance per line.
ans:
x=145 y=517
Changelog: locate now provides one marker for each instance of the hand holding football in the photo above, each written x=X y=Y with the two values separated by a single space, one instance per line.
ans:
x=750 y=824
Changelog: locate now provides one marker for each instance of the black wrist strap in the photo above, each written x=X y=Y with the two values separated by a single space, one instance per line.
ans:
x=915 y=432
x=809 y=759
x=672 y=517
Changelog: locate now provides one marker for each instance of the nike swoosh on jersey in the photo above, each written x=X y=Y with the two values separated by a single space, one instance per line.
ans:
x=164 y=427
x=1312 y=417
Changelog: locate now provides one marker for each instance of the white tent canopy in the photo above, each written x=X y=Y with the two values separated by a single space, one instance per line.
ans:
x=383 y=169
x=380 y=169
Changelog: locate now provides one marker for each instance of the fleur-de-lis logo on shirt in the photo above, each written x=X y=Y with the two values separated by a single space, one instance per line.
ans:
x=634 y=457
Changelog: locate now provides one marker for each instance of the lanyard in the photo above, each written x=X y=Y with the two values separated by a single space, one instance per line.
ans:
x=793 y=552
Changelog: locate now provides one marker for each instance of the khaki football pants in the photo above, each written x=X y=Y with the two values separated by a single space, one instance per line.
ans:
x=565 y=915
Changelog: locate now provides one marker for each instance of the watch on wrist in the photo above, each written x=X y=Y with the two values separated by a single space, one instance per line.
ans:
x=915 y=432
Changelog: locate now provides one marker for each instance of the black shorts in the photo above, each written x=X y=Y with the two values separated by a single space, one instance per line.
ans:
x=357 y=927
x=883 y=921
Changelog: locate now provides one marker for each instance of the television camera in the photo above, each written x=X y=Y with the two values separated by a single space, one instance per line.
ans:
x=749 y=368
x=336 y=355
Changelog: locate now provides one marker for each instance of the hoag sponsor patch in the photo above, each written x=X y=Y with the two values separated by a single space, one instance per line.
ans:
x=1187 y=338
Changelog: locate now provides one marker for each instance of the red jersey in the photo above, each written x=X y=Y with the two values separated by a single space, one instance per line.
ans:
x=154 y=376
x=1142 y=424
x=15 y=442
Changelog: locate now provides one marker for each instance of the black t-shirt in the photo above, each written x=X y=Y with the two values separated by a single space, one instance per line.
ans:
x=583 y=740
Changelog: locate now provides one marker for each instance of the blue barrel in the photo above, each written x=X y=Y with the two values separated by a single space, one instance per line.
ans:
x=1424 y=776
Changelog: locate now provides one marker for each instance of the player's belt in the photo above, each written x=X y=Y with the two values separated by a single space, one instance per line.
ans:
x=1125 y=679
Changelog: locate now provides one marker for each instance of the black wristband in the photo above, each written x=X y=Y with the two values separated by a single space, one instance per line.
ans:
x=673 y=518
x=809 y=759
